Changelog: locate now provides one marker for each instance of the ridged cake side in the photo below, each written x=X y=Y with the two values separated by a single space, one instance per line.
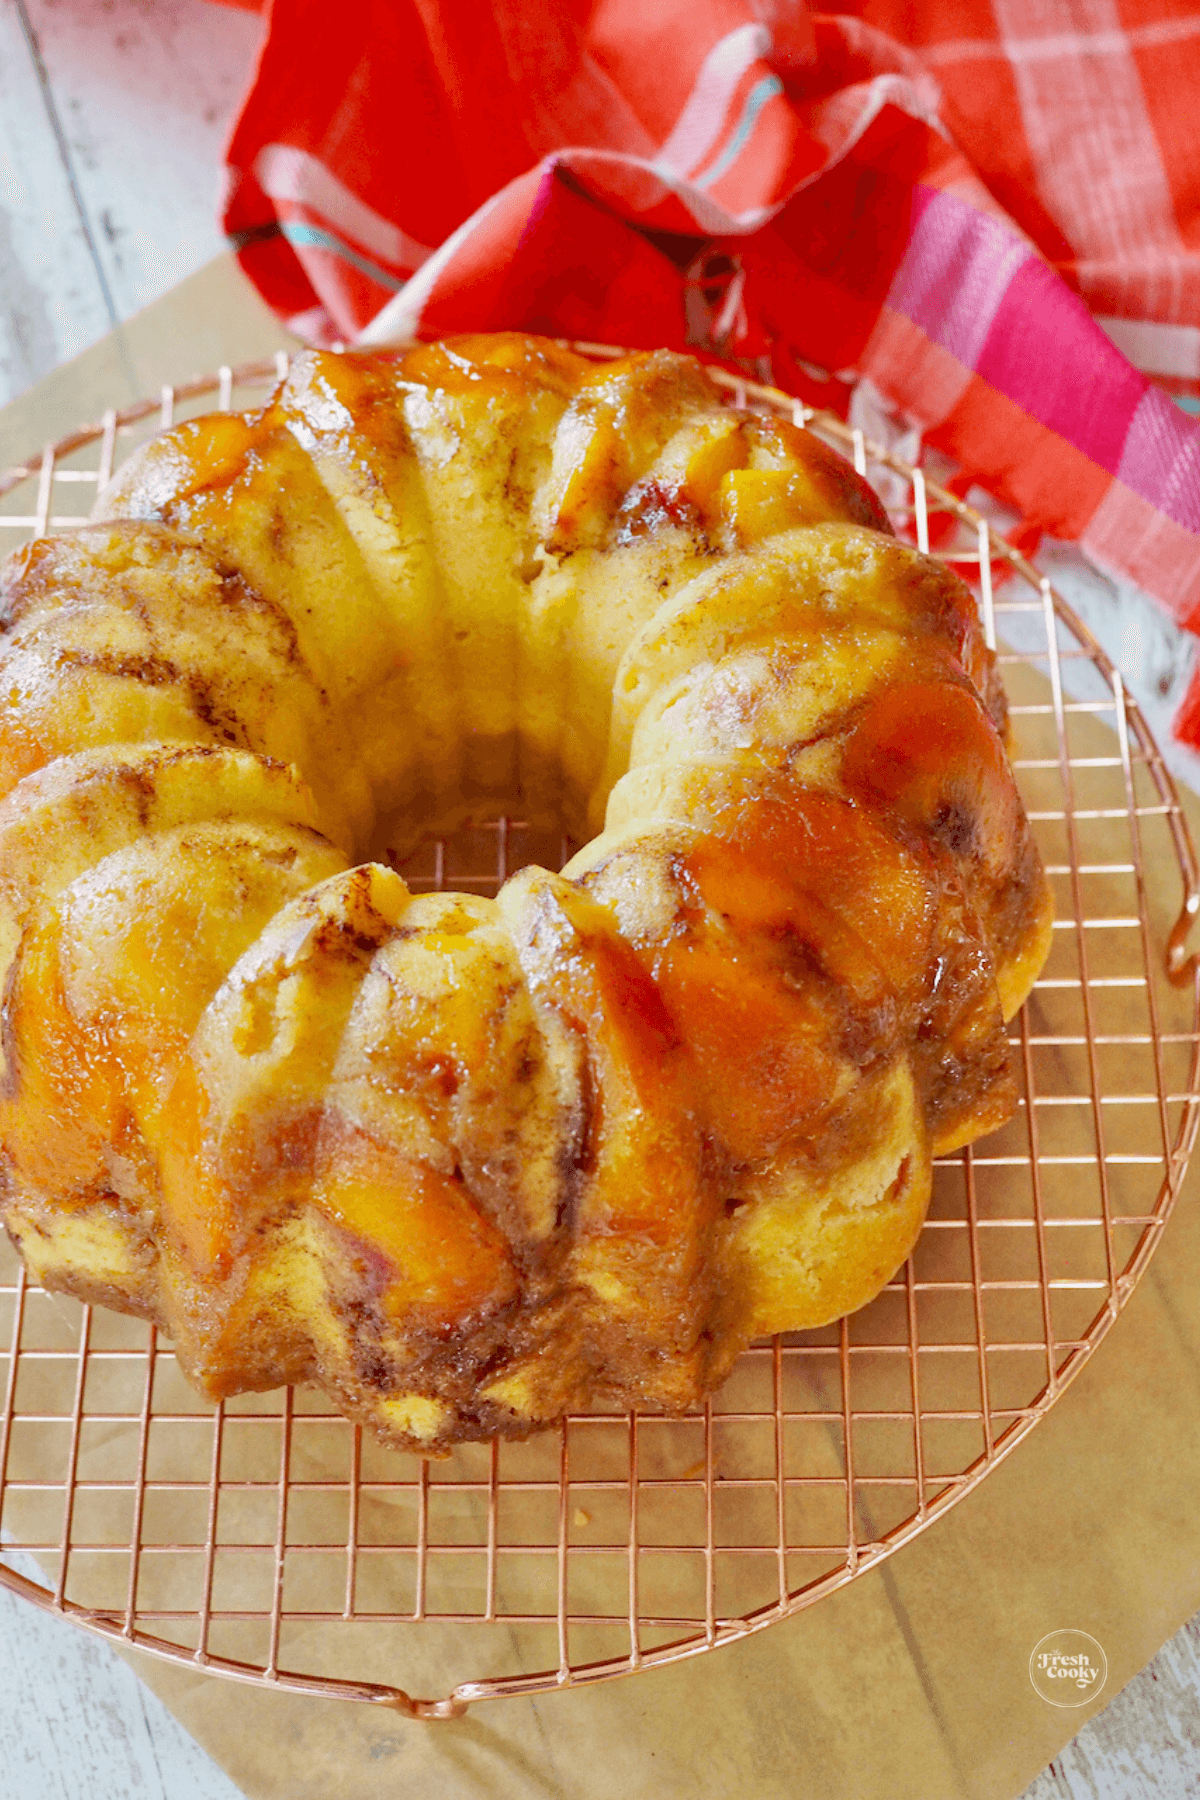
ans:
x=468 y=1163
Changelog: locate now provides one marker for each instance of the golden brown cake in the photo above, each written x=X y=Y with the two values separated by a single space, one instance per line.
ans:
x=470 y=1163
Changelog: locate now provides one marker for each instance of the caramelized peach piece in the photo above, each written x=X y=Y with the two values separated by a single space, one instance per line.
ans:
x=828 y=487
x=240 y=1127
x=107 y=986
x=444 y=1057
x=639 y=1162
x=586 y=478
x=930 y=752
x=709 y=464
x=609 y=443
x=202 y=1226
x=59 y=1103
x=757 y=503
x=175 y=472
x=441 y=1260
x=480 y=359
x=766 y=1056
x=112 y=983
x=829 y=849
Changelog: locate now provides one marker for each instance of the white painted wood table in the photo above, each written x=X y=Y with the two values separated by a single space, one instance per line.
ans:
x=113 y=115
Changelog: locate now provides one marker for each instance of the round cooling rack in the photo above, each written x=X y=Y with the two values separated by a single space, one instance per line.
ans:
x=269 y=1540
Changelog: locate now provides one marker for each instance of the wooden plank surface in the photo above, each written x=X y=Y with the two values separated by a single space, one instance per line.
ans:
x=112 y=124
x=144 y=93
x=77 y=1724
x=54 y=303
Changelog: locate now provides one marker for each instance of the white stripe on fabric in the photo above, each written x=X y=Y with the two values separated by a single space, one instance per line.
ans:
x=698 y=128
x=286 y=173
x=1156 y=349
x=1039 y=49
x=756 y=99
x=837 y=123
x=709 y=216
x=841 y=120
x=1096 y=157
x=400 y=320
x=312 y=323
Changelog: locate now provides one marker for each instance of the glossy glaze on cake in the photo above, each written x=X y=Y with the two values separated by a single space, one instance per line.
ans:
x=470 y=1163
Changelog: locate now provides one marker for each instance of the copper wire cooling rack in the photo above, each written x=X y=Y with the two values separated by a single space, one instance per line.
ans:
x=269 y=1540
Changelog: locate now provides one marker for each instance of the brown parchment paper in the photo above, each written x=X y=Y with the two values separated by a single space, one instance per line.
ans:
x=913 y=1680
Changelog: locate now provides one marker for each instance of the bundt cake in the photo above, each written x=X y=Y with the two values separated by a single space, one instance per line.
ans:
x=470 y=1163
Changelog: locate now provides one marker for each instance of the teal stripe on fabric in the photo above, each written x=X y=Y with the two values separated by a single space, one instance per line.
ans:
x=756 y=99
x=316 y=238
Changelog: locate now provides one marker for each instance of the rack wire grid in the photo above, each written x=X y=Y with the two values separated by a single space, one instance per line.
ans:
x=269 y=1540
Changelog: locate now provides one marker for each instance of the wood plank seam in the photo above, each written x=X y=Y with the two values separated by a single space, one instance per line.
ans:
x=52 y=114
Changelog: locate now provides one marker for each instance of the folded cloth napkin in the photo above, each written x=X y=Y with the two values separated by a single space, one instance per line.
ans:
x=972 y=204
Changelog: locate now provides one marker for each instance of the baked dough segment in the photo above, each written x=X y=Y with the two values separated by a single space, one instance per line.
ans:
x=129 y=879
x=638 y=1205
x=482 y=427
x=822 y=615
x=847 y=662
x=347 y=416
x=124 y=633
x=446 y=1071
x=789 y=938
x=245 y=491
x=242 y=487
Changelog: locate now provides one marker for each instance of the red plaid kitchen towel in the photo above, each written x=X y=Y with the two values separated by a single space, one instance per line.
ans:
x=989 y=207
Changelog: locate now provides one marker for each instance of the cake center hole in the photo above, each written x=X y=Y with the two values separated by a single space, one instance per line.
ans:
x=478 y=855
